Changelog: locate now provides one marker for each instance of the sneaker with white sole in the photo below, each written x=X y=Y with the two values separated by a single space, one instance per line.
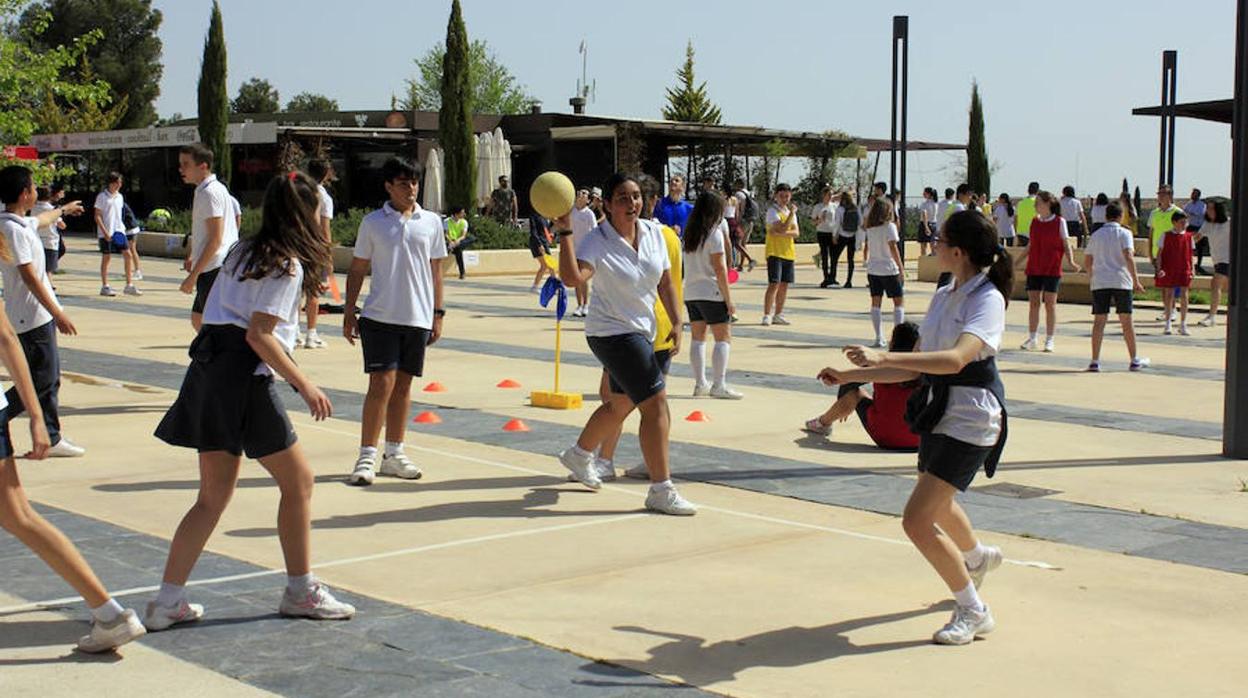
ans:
x=878 y=343
x=1028 y=344
x=638 y=472
x=814 y=426
x=780 y=319
x=363 y=473
x=1184 y=331
x=109 y=636
x=766 y=320
x=605 y=470
x=107 y=291
x=65 y=449
x=314 y=341
x=581 y=468
x=991 y=561
x=701 y=389
x=1167 y=330
x=723 y=392
x=399 y=465
x=1208 y=322
x=1048 y=345
x=163 y=617
x=669 y=501
x=965 y=625
x=138 y=275
x=317 y=603
x=1140 y=362
x=132 y=290
x=1094 y=367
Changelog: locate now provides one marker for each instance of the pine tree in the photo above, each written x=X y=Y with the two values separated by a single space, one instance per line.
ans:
x=214 y=105
x=977 y=171
x=455 y=116
x=686 y=102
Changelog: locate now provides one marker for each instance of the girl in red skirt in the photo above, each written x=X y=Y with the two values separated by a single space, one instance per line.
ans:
x=1174 y=270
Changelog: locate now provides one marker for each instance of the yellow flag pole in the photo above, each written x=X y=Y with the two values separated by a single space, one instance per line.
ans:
x=558 y=347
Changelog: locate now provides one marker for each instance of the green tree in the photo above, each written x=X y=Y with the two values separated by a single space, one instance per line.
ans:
x=310 y=101
x=214 y=106
x=256 y=96
x=61 y=115
x=687 y=102
x=494 y=89
x=455 y=116
x=822 y=166
x=127 y=57
x=978 y=173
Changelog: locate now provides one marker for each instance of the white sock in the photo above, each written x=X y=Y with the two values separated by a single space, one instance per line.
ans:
x=969 y=598
x=697 y=361
x=1049 y=337
x=719 y=361
x=107 y=612
x=170 y=594
x=368 y=452
x=975 y=555
x=876 y=320
x=300 y=584
x=1034 y=335
x=605 y=462
x=582 y=453
x=312 y=332
x=899 y=315
x=394 y=448
x=662 y=486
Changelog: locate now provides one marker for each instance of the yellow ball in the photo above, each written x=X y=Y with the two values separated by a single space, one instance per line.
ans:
x=552 y=194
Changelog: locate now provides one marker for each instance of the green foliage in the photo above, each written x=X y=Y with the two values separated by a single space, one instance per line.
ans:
x=214 y=107
x=492 y=235
x=687 y=102
x=127 y=57
x=44 y=171
x=55 y=115
x=822 y=169
x=978 y=174
x=256 y=96
x=455 y=117
x=310 y=101
x=494 y=89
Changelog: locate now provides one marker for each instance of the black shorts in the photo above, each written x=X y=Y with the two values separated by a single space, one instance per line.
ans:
x=927 y=232
x=779 y=271
x=1223 y=268
x=6 y=445
x=956 y=462
x=881 y=285
x=109 y=247
x=1047 y=284
x=536 y=249
x=203 y=286
x=710 y=312
x=664 y=357
x=632 y=365
x=1123 y=301
x=1075 y=229
x=223 y=405
x=388 y=347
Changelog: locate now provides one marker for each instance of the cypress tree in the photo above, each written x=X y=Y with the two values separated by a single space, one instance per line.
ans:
x=214 y=106
x=977 y=174
x=455 y=116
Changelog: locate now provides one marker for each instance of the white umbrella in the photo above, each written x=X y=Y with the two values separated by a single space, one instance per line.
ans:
x=485 y=180
x=504 y=153
x=432 y=192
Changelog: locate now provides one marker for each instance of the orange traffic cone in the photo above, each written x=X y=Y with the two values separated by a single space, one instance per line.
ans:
x=697 y=416
x=515 y=425
x=507 y=383
x=435 y=387
x=427 y=418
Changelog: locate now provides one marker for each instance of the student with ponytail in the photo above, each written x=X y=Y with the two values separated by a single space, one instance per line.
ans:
x=959 y=411
x=1049 y=246
x=707 y=297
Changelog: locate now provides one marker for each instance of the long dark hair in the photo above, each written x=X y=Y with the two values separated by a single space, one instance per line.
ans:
x=614 y=182
x=1009 y=205
x=703 y=221
x=970 y=232
x=289 y=228
x=1219 y=211
x=881 y=213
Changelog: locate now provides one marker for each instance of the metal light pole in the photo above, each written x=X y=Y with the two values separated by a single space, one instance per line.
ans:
x=1235 y=415
x=1169 y=92
x=901 y=63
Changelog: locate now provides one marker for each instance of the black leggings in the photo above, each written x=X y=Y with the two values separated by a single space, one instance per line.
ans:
x=826 y=242
x=844 y=243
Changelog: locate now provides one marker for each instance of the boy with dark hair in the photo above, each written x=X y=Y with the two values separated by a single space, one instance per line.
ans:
x=110 y=230
x=1025 y=212
x=49 y=235
x=781 y=250
x=457 y=237
x=214 y=229
x=404 y=246
x=1112 y=276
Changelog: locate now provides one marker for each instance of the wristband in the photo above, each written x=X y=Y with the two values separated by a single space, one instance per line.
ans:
x=563 y=233
x=439 y=312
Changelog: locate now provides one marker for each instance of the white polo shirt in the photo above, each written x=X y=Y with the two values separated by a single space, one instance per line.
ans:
x=626 y=281
x=109 y=208
x=880 y=260
x=1219 y=235
x=400 y=251
x=973 y=415
x=232 y=301
x=23 y=308
x=929 y=207
x=212 y=200
x=701 y=283
x=1071 y=208
x=1109 y=268
x=326 y=208
x=828 y=222
x=49 y=234
x=583 y=221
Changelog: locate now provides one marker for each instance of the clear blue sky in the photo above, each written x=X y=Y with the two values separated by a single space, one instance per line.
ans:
x=1058 y=79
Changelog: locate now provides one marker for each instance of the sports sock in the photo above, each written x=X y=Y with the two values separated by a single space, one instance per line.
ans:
x=393 y=448
x=876 y=320
x=719 y=361
x=975 y=555
x=899 y=315
x=368 y=452
x=300 y=584
x=697 y=361
x=107 y=612
x=581 y=453
x=170 y=594
x=662 y=486
x=969 y=598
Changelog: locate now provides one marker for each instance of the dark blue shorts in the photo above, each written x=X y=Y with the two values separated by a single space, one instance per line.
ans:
x=1046 y=284
x=6 y=445
x=956 y=462
x=388 y=347
x=710 y=312
x=633 y=367
x=779 y=271
x=890 y=285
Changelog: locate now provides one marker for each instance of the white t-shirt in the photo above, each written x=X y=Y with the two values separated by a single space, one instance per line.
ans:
x=1005 y=222
x=212 y=200
x=930 y=207
x=880 y=260
x=1219 y=235
x=828 y=224
x=583 y=221
x=973 y=415
x=626 y=281
x=942 y=210
x=233 y=300
x=1098 y=214
x=730 y=207
x=49 y=234
x=700 y=281
x=326 y=208
x=1109 y=269
x=1071 y=208
x=400 y=252
x=23 y=308
x=109 y=208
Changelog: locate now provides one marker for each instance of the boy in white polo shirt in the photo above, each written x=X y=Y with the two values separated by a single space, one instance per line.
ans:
x=30 y=303
x=403 y=246
x=214 y=229
x=108 y=223
x=1110 y=260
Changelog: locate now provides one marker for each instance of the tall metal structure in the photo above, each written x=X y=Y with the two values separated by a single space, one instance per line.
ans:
x=1169 y=92
x=1235 y=405
x=901 y=63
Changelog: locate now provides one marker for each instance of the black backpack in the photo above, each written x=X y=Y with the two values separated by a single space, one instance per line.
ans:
x=849 y=220
x=749 y=209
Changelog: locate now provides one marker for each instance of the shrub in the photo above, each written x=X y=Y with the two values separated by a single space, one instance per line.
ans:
x=492 y=235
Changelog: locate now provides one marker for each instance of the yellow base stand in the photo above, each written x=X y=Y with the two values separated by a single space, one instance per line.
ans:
x=555 y=401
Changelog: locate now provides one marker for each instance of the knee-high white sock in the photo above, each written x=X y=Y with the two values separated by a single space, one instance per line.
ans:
x=899 y=315
x=876 y=319
x=697 y=361
x=719 y=361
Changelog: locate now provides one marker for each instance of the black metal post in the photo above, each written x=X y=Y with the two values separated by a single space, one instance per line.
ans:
x=1235 y=404
x=892 y=134
x=1165 y=157
x=1173 y=57
x=901 y=29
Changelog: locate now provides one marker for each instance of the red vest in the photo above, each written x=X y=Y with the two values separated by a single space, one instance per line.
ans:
x=1045 y=251
x=886 y=421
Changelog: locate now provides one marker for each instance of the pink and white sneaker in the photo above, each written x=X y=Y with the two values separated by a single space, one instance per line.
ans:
x=316 y=603
x=164 y=617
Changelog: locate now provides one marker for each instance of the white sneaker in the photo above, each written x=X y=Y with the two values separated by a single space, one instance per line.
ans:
x=992 y=560
x=965 y=625
x=638 y=472
x=814 y=426
x=535 y=289
x=363 y=473
x=138 y=275
x=1173 y=316
x=399 y=465
x=110 y=636
x=701 y=389
x=780 y=319
x=66 y=449
x=669 y=501
x=1184 y=331
x=132 y=290
x=878 y=343
x=1167 y=330
x=1208 y=322
x=314 y=341
x=1139 y=362
x=605 y=470
x=107 y=290
x=164 y=617
x=317 y=603
x=766 y=320
x=1048 y=345
x=1028 y=344
x=723 y=392
x=581 y=468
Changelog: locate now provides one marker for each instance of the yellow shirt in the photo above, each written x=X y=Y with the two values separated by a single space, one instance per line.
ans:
x=779 y=245
x=662 y=323
x=1160 y=223
x=1025 y=211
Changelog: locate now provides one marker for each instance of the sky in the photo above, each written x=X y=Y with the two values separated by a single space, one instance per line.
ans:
x=1058 y=79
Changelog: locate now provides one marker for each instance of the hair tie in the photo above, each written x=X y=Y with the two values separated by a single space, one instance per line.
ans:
x=291 y=176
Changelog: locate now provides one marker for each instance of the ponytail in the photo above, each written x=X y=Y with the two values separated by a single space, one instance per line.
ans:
x=976 y=236
x=1001 y=273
